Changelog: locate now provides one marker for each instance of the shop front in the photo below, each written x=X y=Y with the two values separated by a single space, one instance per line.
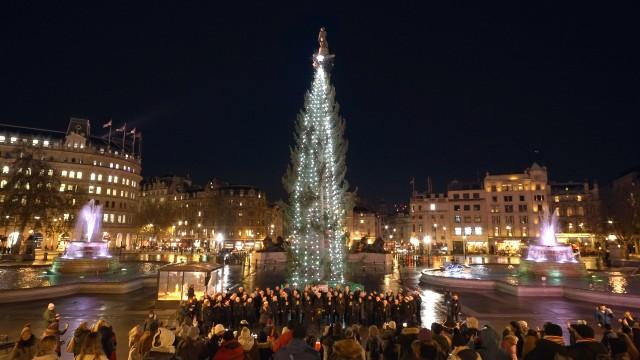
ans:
x=509 y=247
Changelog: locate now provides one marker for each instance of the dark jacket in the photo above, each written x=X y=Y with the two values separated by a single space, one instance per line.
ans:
x=297 y=349
x=405 y=339
x=587 y=350
x=264 y=350
x=229 y=350
x=545 y=350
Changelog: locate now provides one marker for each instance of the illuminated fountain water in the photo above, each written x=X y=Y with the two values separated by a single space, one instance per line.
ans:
x=88 y=252
x=548 y=257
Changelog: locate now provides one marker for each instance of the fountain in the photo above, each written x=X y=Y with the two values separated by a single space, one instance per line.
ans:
x=550 y=258
x=88 y=252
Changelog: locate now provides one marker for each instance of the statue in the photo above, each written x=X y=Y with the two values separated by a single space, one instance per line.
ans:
x=322 y=40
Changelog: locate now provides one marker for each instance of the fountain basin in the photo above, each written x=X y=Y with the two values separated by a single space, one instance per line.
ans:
x=85 y=257
x=551 y=260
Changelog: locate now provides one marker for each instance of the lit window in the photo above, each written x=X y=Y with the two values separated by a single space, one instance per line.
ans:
x=556 y=198
x=3 y=183
x=79 y=175
x=35 y=142
x=92 y=177
x=62 y=187
x=111 y=165
x=91 y=189
x=98 y=190
x=110 y=178
x=13 y=139
x=45 y=143
x=117 y=166
x=579 y=197
x=432 y=207
x=99 y=177
x=108 y=191
x=64 y=173
x=458 y=231
x=115 y=179
x=477 y=230
x=361 y=221
x=111 y=217
x=467 y=230
x=5 y=169
x=72 y=174
x=2 y=138
x=105 y=217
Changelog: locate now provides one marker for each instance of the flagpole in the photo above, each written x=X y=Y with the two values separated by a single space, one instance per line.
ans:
x=124 y=135
x=109 y=144
x=133 y=145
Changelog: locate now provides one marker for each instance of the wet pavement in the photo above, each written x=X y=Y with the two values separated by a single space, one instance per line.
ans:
x=124 y=311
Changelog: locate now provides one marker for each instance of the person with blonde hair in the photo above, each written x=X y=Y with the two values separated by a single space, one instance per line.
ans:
x=509 y=343
x=25 y=347
x=91 y=348
x=47 y=349
x=373 y=345
x=248 y=344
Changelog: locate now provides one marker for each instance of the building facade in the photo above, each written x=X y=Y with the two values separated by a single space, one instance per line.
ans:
x=89 y=167
x=216 y=215
x=577 y=210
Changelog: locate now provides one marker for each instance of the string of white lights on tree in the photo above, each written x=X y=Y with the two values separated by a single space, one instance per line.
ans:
x=315 y=181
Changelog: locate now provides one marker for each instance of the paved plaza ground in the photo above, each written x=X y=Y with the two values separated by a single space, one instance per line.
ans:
x=124 y=311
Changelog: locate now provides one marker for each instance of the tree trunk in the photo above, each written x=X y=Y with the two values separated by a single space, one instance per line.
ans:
x=18 y=247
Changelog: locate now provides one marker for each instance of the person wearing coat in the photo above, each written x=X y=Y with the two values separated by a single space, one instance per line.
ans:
x=348 y=348
x=230 y=349
x=190 y=347
x=297 y=348
x=249 y=345
x=47 y=349
x=26 y=347
x=49 y=315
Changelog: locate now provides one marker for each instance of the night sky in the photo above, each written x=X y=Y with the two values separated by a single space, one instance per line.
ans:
x=447 y=90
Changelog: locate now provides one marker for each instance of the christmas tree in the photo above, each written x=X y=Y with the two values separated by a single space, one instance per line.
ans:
x=315 y=181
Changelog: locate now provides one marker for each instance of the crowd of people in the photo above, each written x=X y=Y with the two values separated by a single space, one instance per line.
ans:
x=316 y=323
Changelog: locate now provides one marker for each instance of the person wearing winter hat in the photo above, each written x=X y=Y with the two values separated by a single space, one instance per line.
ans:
x=230 y=349
x=25 y=348
x=49 y=315
x=424 y=347
x=248 y=344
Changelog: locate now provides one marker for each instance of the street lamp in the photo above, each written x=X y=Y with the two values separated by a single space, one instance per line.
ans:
x=427 y=242
x=219 y=240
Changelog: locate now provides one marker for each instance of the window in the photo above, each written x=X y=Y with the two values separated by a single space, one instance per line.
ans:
x=579 y=198
x=466 y=207
x=115 y=179
x=476 y=207
x=538 y=187
x=524 y=231
x=538 y=197
x=91 y=189
x=458 y=231
x=508 y=219
x=457 y=219
x=432 y=206
x=419 y=208
x=105 y=217
x=110 y=178
x=508 y=198
x=2 y=139
x=494 y=198
x=495 y=220
x=569 y=211
x=5 y=169
x=63 y=173
x=99 y=177
x=522 y=207
x=465 y=196
x=62 y=187
x=496 y=231
x=98 y=190
x=3 y=183
x=467 y=230
x=467 y=219
x=508 y=208
x=79 y=175
x=456 y=196
x=580 y=211
x=494 y=188
x=456 y=207
x=92 y=177
x=477 y=230
x=524 y=219
x=521 y=197
x=45 y=143
x=477 y=219
x=476 y=195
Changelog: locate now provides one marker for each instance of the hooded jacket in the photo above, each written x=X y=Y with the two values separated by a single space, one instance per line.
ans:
x=546 y=349
x=297 y=349
x=348 y=349
x=405 y=339
x=229 y=350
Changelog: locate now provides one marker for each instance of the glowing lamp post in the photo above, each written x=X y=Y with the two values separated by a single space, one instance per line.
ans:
x=219 y=240
x=427 y=242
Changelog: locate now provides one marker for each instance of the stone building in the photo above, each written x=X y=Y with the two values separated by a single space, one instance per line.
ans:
x=90 y=167
x=218 y=214
x=577 y=209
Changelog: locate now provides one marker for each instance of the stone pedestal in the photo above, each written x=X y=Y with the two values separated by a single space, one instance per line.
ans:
x=370 y=258
x=269 y=258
